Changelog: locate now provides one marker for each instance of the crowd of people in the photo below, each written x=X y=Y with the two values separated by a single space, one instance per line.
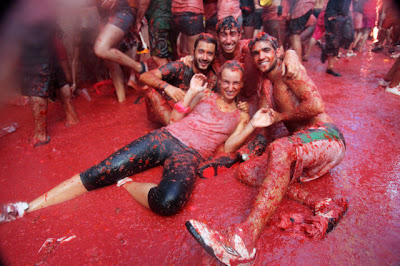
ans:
x=221 y=78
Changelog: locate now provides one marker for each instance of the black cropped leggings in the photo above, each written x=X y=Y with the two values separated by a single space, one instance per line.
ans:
x=155 y=148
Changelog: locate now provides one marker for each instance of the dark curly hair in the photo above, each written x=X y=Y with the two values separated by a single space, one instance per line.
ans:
x=208 y=38
x=228 y=23
x=262 y=36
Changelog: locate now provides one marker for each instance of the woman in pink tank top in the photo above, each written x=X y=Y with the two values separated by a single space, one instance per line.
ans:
x=204 y=120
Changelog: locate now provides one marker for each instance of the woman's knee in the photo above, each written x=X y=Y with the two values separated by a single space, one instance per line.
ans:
x=166 y=203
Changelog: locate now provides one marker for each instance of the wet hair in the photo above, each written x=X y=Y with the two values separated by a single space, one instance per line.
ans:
x=262 y=36
x=208 y=38
x=233 y=65
x=228 y=23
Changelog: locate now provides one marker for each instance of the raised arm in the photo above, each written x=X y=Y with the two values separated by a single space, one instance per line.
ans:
x=198 y=85
x=261 y=119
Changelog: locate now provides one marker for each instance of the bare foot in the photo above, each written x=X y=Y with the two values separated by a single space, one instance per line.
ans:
x=36 y=142
x=71 y=116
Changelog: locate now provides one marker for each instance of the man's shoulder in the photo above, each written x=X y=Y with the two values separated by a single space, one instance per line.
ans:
x=173 y=67
x=244 y=44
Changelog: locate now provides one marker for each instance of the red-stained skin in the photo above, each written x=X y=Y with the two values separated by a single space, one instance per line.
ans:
x=305 y=108
x=111 y=228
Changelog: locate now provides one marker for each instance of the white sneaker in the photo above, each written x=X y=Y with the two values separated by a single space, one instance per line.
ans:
x=395 y=55
x=394 y=90
x=350 y=54
x=383 y=83
x=12 y=211
x=230 y=251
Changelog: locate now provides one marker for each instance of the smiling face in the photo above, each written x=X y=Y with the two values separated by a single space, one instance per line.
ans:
x=264 y=56
x=204 y=54
x=230 y=83
x=228 y=39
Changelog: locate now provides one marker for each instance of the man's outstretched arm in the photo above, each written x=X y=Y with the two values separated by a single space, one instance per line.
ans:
x=154 y=79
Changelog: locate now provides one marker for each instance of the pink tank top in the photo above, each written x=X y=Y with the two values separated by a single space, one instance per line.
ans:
x=182 y=6
x=206 y=127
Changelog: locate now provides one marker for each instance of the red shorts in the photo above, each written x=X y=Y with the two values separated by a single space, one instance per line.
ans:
x=369 y=20
x=318 y=149
x=320 y=27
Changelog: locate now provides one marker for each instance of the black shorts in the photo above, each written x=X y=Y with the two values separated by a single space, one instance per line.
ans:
x=297 y=25
x=276 y=28
x=248 y=20
x=156 y=148
x=40 y=72
x=339 y=32
x=188 y=23
x=316 y=12
x=258 y=19
x=42 y=80
x=124 y=18
x=211 y=24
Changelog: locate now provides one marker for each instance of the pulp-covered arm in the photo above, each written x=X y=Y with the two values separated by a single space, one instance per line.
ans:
x=198 y=84
x=153 y=79
x=291 y=66
x=310 y=101
x=262 y=118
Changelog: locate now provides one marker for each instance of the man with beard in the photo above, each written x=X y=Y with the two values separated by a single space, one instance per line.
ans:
x=203 y=122
x=167 y=85
x=314 y=147
x=229 y=35
x=255 y=90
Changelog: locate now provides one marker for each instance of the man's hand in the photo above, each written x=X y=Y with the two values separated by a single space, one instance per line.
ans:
x=291 y=66
x=187 y=60
x=175 y=93
x=243 y=106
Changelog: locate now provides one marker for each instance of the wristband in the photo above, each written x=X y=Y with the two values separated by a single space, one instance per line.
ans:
x=144 y=68
x=252 y=125
x=180 y=108
x=164 y=86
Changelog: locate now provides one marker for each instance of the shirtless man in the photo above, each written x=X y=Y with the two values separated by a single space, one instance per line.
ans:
x=233 y=48
x=173 y=79
x=300 y=13
x=313 y=148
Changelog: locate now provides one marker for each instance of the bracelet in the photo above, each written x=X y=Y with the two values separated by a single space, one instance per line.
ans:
x=164 y=86
x=144 y=68
x=180 y=108
x=252 y=125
